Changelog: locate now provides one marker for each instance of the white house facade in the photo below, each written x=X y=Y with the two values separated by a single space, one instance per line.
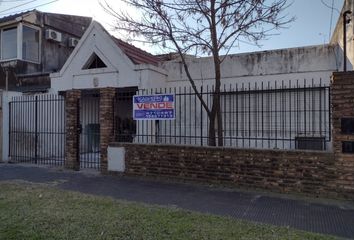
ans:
x=312 y=62
x=294 y=80
x=128 y=66
x=101 y=61
x=119 y=69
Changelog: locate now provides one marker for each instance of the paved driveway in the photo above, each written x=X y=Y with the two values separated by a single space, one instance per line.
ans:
x=328 y=217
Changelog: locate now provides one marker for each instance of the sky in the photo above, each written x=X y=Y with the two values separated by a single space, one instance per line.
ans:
x=312 y=26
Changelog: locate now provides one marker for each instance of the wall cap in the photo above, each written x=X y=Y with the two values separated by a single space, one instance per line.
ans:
x=348 y=73
x=119 y=144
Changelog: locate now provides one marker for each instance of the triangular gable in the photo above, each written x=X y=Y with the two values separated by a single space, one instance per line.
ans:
x=96 y=40
x=124 y=64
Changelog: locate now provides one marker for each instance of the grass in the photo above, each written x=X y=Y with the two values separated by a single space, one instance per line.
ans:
x=32 y=211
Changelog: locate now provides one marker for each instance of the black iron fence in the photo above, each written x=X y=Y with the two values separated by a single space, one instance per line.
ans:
x=89 y=111
x=124 y=125
x=289 y=115
x=272 y=115
x=37 y=129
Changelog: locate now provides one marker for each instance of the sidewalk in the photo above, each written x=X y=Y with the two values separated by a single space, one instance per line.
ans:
x=334 y=218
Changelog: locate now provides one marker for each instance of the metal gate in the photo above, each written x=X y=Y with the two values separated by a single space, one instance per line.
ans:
x=89 y=112
x=37 y=129
x=124 y=124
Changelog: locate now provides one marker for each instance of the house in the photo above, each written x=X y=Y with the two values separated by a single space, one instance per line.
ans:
x=35 y=44
x=101 y=61
x=123 y=65
x=271 y=99
x=120 y=68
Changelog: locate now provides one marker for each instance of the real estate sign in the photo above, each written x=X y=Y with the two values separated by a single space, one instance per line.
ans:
x=154 y=107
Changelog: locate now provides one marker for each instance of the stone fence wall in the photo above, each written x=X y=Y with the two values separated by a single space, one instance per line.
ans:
x=342 y=98
x=308 y=172
x=329 y=174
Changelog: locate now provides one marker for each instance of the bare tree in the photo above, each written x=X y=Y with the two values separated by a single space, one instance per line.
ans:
x=204 y=27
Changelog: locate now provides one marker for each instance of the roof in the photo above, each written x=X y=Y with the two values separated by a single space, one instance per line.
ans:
x=14 y=16
x=137 y=55
x=79 y=23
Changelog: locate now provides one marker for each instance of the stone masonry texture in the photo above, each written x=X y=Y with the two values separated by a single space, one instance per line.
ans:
x=71 y=105
x=106 y=123
x=315 y=173
x=307 y=172
x=342 y=98
x=329 y=174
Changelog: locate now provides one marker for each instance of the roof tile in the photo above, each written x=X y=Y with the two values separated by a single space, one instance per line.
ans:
x=137 y=55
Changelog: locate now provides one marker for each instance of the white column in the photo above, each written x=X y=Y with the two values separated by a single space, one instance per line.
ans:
x=19 y=40
x=4 y=124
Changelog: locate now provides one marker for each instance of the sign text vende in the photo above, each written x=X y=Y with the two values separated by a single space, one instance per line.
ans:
x=154 y=107
x=161 y=105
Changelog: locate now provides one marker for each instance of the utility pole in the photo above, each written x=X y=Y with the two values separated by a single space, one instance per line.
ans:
x=345 y=22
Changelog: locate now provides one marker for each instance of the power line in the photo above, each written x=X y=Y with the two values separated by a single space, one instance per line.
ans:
x=18 y=6
x=41 y=5
x=331 y=20
x=330 y=23
x=330 y=7
x=10 y=1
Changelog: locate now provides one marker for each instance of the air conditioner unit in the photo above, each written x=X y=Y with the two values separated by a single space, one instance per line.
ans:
x=72 y=42
x=53 y=35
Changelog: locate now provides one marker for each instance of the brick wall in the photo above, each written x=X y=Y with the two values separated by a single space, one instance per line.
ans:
x=72 y=106
x=308 y=172
x=106 y=123
x=342 y=94
x=72 y=147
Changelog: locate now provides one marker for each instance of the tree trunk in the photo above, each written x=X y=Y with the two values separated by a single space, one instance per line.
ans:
x=217 y=106
x=214 y=120
x=212 y=134
x=216 y=109
x=219 y=123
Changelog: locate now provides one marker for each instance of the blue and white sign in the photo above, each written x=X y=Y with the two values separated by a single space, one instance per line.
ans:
x=154 y=107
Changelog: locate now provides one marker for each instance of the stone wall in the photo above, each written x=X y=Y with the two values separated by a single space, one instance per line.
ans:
x=106 y=123
x=308 y=172
x=71 y=127
x=342 y=94
x=72 y=108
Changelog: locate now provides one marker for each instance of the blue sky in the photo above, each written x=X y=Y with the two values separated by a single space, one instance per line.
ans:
x=311 y=27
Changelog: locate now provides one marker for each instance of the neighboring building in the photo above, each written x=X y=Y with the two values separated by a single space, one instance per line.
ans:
x=34 y=44
x=337 y=37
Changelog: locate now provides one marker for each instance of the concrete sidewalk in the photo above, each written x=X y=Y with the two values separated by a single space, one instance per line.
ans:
x=334 y=218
